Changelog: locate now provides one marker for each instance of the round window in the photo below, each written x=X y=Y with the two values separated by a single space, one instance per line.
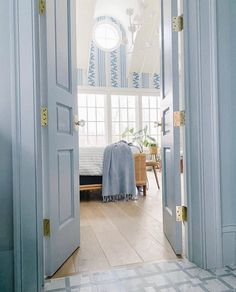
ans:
x=107 y=36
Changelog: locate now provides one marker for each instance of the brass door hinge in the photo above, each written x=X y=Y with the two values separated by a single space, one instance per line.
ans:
x=44 y=116
x=179 y=118
x=42 y=7
x=46 y=227
x=178 y=23
x=181 y=213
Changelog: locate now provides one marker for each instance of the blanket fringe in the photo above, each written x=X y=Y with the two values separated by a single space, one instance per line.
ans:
x=115 y=198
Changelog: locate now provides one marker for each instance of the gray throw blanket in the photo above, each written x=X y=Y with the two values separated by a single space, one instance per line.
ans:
x=118 y=180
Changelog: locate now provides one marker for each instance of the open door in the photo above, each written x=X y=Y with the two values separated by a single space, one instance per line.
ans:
x=62 y=199
x=170 y=135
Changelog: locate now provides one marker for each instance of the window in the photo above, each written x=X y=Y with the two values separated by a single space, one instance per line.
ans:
x=123 y=114
x=92 y=110
x=107 y=36
x=151 y=115
x=107 y=116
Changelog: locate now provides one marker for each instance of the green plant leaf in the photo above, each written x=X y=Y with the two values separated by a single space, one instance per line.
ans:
x=131 y=130
x=145 y=143
x=151 y=138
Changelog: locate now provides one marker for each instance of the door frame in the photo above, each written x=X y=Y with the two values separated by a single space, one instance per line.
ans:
x=26 y=146
x=202 y=162
x=203 y=194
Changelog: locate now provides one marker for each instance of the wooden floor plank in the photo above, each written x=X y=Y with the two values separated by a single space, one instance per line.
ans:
x=84 y=221
x=120 y=233
x=136 y=233
x=97 y=220
x=68 y=268
x=117 y=249
x=152 y=205
x=90 y=256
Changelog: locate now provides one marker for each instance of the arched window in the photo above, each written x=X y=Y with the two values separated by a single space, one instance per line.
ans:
x=107 y=36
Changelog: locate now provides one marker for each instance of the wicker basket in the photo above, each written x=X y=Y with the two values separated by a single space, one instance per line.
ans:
x=140 y=169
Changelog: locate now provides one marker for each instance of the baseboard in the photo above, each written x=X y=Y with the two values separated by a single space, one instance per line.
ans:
x=229 y=244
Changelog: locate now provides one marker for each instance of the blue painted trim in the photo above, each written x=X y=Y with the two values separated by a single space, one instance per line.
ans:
x=216 y=166
x=229 y=228
x=26 y=147
x=6 y=271
x=202 y=143
x=193 y=249
x=6 y=180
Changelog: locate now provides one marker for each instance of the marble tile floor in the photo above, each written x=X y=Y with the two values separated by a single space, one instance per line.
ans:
x=170 y=275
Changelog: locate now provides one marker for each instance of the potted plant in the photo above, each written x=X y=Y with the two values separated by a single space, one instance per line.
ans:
x=153 y=148
x=141 y=139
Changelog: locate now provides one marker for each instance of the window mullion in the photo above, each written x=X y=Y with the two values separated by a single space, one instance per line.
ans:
x=96 y=118
x=119 y=115
x=87 y=119
x=108 y=118
x=138 y=111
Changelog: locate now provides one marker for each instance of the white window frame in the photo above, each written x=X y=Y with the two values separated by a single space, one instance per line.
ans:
x=96 y=121
x=158 y=131
x=108 y=92
x=114 y=26
x=121 y=109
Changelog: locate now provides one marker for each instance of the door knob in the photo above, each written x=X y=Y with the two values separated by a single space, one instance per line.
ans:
x=159 y=124
x=80 y=123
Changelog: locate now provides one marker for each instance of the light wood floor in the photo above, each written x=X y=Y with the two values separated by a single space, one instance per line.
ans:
x=120 y=233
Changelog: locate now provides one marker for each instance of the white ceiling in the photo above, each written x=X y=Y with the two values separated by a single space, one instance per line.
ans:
x=146 y=53
x=144 y=56
x=85 y=11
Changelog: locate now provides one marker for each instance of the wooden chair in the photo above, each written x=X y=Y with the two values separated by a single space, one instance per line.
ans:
x=140 y=171
x=154 y=163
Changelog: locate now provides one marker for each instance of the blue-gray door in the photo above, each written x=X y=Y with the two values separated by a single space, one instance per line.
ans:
x=63 y=168
x=170 y=134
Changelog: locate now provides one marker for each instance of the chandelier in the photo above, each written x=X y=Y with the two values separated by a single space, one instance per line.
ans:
x=135 y=23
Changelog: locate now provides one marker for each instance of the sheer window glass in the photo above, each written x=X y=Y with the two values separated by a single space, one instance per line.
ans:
x=123 y=114
x=108 y=116
x=107 y=36
x=150 y=116
x=92 y=110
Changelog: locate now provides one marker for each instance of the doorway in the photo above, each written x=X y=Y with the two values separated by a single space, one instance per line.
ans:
x=206 y=249
x=101 y=223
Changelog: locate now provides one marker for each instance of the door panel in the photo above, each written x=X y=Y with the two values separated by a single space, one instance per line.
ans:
x=65 y=186
x=62 y=36
x=64 y=118
x=63 y=173
x=170 y=135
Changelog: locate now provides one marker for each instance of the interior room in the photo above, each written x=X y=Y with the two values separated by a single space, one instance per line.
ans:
x=121 y=233
x=118 y=61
